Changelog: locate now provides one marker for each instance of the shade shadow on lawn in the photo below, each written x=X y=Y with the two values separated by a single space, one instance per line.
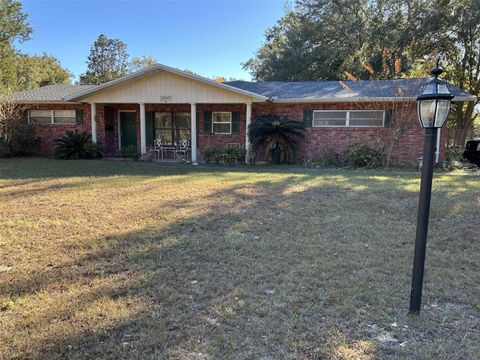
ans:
x=292 y=266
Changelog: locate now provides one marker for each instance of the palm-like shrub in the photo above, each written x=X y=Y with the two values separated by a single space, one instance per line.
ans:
x=278 y=134
x=73 y=145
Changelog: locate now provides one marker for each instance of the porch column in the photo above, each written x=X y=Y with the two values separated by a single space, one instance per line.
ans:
x=193 y=117
x=143 y=134
x=247 y=124
x=93 y=114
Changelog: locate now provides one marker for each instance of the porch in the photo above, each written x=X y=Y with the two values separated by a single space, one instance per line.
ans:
x=120 y=127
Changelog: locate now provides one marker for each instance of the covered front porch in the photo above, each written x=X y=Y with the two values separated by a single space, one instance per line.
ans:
x=167 y=104
x=182 y=129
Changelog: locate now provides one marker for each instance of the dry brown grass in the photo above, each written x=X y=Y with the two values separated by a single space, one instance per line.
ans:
x=128 y=260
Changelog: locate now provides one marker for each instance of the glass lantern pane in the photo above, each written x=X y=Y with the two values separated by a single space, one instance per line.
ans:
x=426 y=112
x=443 y=107
x=443 y=89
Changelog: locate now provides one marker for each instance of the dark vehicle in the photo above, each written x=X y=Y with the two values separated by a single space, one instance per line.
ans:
x=472 y=151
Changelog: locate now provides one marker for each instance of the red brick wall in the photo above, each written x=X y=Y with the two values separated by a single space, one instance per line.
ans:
x=408 y=148
x=207 y=140
x=49 y=132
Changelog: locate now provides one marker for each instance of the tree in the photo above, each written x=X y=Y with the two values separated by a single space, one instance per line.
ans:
x=139 y=63
x=13 y=26
x=20 y=71
x=40 y=70
x=13 y=23
x=107 y=61
x=278 y=134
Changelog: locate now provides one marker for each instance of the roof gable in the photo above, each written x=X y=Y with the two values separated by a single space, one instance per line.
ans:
x=141 y=78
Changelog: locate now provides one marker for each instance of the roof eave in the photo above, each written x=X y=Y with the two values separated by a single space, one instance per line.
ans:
x=361 y=99
x=18 y=101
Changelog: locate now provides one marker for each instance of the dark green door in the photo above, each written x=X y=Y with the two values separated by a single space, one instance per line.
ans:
x=128 y=130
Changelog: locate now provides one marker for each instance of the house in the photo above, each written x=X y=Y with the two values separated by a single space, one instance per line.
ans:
x=162 y=102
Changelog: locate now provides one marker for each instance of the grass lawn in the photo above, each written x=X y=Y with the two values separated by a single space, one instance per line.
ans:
x=117 y=260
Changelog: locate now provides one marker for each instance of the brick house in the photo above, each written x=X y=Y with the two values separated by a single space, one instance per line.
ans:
x=165 y=103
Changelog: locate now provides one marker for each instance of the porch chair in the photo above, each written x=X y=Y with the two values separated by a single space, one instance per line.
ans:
x=182 y=148
x=157 y=147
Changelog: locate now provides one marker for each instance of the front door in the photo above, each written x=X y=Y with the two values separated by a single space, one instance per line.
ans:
x=128 y=129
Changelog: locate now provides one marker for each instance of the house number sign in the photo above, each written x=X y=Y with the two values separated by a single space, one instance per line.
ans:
x=165 y=98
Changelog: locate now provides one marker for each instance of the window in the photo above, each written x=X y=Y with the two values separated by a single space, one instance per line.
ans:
x=64 y=117
x=52 y=117
x=329 y=118
x=350 y=118
x=222 y=122
x=40 y=116
x=172 y=127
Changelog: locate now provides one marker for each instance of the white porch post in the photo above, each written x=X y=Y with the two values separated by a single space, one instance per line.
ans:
x=143 y=134
x=247 y=124
x=193 y=117
x=93 y=114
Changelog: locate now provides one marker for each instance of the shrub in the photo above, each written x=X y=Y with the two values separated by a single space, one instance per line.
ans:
x=129 y=151
x=208 y=154
x=21 y=140
x=278 y=134
x=361 y=155
x=4 y=149
x=240 y=154
x=229 y=156
x=328 y=157
x=25 y=141
x=72 y=146
x=454 y=153
x=94 y=151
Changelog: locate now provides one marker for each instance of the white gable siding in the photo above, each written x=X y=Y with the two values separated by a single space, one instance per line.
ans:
x=151 y=89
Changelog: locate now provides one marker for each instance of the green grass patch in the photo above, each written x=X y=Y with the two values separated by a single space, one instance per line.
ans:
x=104 y=259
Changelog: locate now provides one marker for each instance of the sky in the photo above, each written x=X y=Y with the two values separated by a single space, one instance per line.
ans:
x=211 y=38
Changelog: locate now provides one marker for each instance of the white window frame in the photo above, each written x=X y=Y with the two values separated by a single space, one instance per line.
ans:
x=222 y=122
x=347 y=120
x=52 y=117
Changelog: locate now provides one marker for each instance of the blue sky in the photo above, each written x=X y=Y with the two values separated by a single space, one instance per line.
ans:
x=207 y=37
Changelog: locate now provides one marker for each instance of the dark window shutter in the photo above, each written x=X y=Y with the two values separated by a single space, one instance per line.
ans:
x=198 y=130
x=79 y=116
x=149 y=128
x=307 y=117
x=24 y=117
x=389 y=118
x=207 y=122
x=235 y=122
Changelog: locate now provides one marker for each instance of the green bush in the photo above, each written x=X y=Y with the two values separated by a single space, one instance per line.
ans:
x=129 y=151
x=327 y=157
x=76 y=145
x=94 y=151
x=20 y=141
x=454 y=153
x=207 y=154
x=4 y=149
x=355 y=155
x=25 y=141
x=229 y=156
x=361 y=155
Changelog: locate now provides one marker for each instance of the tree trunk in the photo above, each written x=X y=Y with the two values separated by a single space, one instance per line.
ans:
x=276 y=154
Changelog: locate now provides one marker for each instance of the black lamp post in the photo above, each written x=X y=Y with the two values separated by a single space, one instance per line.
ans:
x=433 y=106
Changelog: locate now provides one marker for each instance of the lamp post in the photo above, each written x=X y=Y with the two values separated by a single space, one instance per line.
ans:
x=433 y=106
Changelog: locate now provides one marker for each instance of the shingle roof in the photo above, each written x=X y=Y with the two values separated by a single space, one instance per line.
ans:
x=50 y=93
x=342 y=90
x=280 y=90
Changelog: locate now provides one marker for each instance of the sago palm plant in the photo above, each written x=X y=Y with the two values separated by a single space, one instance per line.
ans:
x=72 y=146
x=278 y=134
